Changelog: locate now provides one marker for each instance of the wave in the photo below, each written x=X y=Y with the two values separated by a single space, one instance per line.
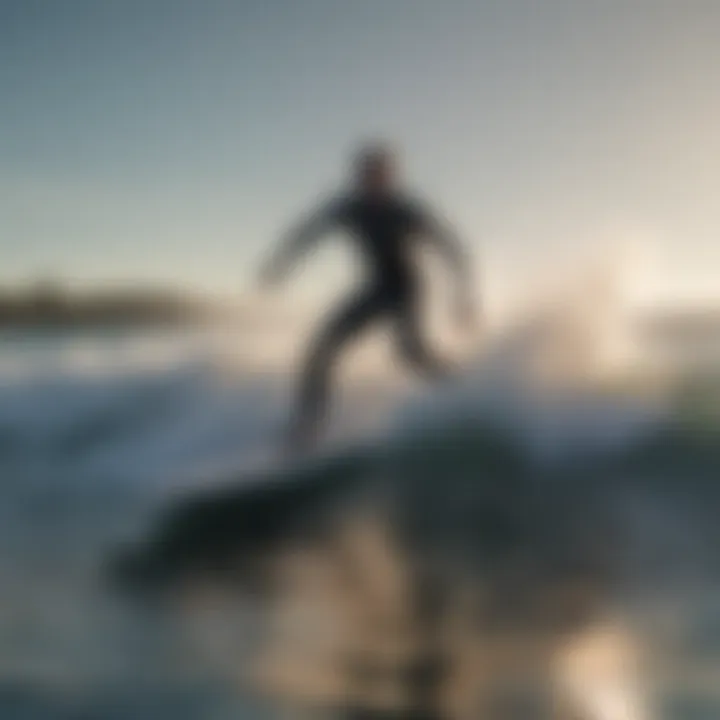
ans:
x=550 y=482
x=549 y=492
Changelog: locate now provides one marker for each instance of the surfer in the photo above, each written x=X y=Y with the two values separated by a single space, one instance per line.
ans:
x=387 y=227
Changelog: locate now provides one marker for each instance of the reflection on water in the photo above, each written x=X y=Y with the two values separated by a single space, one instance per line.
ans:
x=355 y=632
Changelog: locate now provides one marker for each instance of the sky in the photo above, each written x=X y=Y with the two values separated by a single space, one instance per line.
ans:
x=171 y=141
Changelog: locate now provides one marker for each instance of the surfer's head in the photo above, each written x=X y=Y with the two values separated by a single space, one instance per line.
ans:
x=374 y=168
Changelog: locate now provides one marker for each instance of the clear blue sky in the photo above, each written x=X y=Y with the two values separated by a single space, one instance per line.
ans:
x=171 y=140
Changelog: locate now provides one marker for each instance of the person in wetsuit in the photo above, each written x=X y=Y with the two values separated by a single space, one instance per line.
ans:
x=387 y=227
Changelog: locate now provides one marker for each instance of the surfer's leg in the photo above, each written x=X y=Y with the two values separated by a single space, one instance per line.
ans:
x=325 y=350
x=412 y=345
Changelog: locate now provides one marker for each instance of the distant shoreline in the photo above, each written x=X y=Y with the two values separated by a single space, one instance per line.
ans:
x=50 y=307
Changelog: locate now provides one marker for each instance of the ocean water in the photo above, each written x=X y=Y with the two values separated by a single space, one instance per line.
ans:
x=101 y=432
x=98 y=430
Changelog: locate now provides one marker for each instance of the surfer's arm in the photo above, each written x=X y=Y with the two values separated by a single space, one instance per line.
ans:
x=442 y=237
x=299 y=240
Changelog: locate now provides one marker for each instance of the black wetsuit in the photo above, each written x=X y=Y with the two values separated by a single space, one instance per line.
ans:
x=386 y=231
